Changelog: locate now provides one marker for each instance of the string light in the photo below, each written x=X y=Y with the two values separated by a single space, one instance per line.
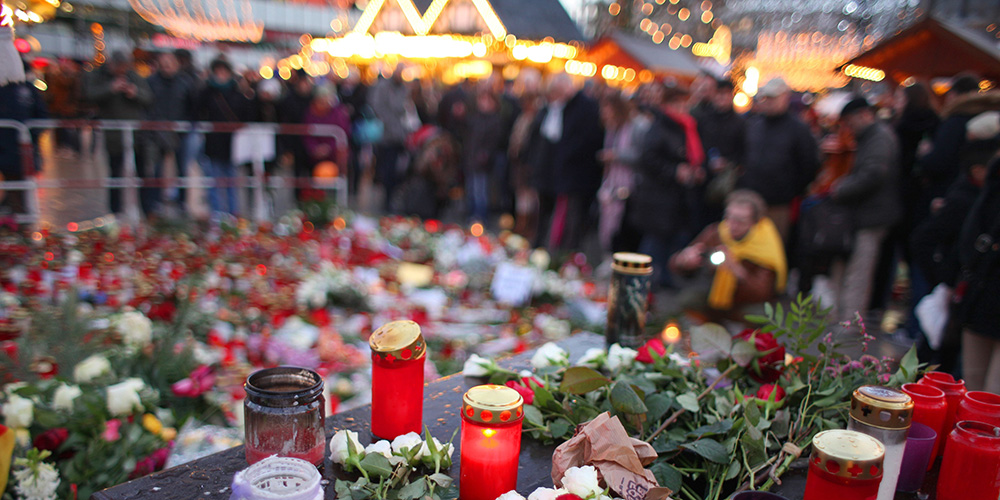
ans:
x=865 y=73
x=191 y=21
x=421 y=25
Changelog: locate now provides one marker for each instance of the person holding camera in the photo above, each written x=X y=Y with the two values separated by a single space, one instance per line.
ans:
x=733 y=265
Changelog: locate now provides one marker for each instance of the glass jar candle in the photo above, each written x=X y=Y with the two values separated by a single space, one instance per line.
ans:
x=844 y=465
x=929 y=408
x=970 y=469
x=953 y=392
x=491 y=441
x=277 y=478
x=628 y=298
x=283 y=414
x=398 y=354
x=883 y=413
x=979 y=406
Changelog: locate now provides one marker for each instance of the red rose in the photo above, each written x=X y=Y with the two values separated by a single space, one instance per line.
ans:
x=51 y=439
x=200 y=381
x=769 y=363
x=646 y=351
x=568 y=496
x=523 y=387
x=765 y=391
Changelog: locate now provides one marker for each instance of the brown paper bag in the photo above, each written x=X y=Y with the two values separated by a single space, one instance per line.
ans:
x=618 y=458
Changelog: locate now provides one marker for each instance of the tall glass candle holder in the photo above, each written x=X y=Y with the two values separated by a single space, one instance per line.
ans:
x=883 y=413
x=491 y=441
x=628 y=298
x=979 y=406
x=929 y=408
x=970 y=469
x=398 y=354
x=283 y=414
x=844 y=465
x=954 y=390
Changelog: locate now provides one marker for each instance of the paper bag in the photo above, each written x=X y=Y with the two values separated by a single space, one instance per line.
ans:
x=618 y=458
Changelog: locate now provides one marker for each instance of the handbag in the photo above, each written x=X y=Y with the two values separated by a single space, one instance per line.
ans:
x=368 y=129
x=826 y=229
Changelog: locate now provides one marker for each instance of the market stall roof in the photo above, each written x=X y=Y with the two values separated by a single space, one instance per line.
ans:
x=625 y=50
x=529 y=19
x=932 y=48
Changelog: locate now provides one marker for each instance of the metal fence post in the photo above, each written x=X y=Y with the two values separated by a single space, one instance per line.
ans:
x=131 y=198
x=259 y=210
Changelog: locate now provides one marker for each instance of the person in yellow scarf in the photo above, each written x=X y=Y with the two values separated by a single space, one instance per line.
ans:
x=741 y=259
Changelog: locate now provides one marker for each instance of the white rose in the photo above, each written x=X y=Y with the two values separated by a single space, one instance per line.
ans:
x=594 y=358
x=548 y=355
x=381 y=447
x=476 y=366
x=582 y=481
x=91 y=368
x=425 y=450
x=338 y=446
x=546 y=494
x=619 y=357
x=123 y=397
x=40 y=484
x=64 y=396
x=411 y=441
x=135 y=328
x=510 y=495
x=18 y=412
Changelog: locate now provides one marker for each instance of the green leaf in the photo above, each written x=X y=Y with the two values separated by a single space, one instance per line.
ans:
x=559 y=427
x=744 y=352
x=581 y=380
x=544 y=398
x=779 y=424
x=752 y=412
x=343 y=489
x=754 y=446
x=667 y=476
x=533 y=416
x=625 y=400
x=657 y=405
x=711 y=341
x=689 y=401
x=757 y=319
x=709 y=449
x=414 y=490
x=720 y=427
x=442 y=480
x=374 y=463
x=734 y=470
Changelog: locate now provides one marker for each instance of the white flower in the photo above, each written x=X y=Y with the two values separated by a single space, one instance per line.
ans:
x=91 y=368
x=476 y=366
x=511 y=495
x=123 y=397
x=582 y=481
x=64 y=396
x=338 y=446
x=594 y=358
x=381 y=447
x=40 y=486
x=546 y=494
x=18 y=412
x=8 y=299
x=411 y=441
x=135 y=328
x=619 y=356
x=425 y=450
x=548 y=355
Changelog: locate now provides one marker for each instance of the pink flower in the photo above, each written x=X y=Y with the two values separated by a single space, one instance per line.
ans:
x=646 y=351
x=152 y=463
x=523 y=387
x=111 y=433
x=200 y=381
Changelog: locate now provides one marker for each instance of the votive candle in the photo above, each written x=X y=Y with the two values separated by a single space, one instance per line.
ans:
x=398 y=355
x=491 y=441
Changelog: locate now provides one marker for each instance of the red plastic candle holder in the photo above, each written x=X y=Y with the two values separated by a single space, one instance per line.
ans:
x=844 y=465
x=970 y=469
x=930 y=407
x=954 y=390
x=491 y=441
x=981 y=407
x=398 y=355
x=283 y=414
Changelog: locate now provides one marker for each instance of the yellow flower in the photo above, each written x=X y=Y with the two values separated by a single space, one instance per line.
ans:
x=152 y=424
x=168 y=434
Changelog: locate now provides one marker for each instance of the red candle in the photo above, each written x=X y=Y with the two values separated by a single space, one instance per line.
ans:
x=844 y=465
x=283 y=414
x=954 y=390
x=981 y=407
x=970 y=469
x=398 y=354
x=491 y=441
x=931 y=409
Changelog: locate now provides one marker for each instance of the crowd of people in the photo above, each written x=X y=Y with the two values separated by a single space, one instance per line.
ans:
x=728 y=204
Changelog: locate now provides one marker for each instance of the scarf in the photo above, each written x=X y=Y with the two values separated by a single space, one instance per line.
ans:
x=761 y=246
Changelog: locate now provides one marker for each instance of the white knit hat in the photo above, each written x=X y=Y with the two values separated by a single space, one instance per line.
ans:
x=11 y=67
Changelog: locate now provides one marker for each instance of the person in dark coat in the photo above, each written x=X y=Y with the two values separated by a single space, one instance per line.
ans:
x=939 y=168
x=482 y=144
x=782 y=156
x=723 y=135
x=19 y=101
x=172 y=100
x=292 y=109
x=222 y=100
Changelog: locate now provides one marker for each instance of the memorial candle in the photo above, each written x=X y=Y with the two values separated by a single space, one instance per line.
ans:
x=491 y=441
x=844 y=465
x=884 y=413
x=931 y=409
x=970 y=469
x=398 y=354
x=954 y=390
x=283 y=414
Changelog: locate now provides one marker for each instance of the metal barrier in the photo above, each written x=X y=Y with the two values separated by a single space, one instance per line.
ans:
x=131 y=182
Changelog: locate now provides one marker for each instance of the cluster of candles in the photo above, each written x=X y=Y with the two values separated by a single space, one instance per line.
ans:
x=894 y=437
x=284 y=413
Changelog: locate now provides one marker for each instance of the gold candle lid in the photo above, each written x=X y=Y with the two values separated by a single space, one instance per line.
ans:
x=848 y=454
x=632 y=263
x=882 y=407
x=492 y=404
x=398 y=340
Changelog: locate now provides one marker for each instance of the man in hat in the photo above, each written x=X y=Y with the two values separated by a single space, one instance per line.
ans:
x=871 y=191
x=781 y=154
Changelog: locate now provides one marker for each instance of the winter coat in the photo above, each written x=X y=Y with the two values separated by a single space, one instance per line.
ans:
x=722 y=131
x=336 y=115
x=979 y=255
x=482 y=143
x=570 y=165
x=933 y=245
x=19 y=102
x=391 y=102
x=172 y=96
x=657 y=204
x=871 y=187
x=222 y=103
x=113 y=105
x=782 y=158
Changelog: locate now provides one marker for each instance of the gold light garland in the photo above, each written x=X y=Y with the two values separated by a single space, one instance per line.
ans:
x=186 y=21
